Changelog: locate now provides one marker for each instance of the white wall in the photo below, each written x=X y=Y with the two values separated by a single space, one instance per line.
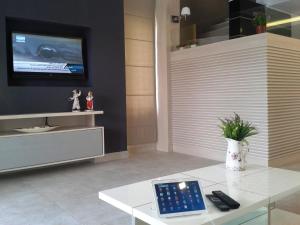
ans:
x=167 y=35
x=295 y=30
x=213 y=81
x=256 y=77
x=284 y=99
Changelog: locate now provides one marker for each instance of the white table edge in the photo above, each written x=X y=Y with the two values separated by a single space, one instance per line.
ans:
x=218 y=221
x=264 y=202
x=128 y=209
x=119 y=205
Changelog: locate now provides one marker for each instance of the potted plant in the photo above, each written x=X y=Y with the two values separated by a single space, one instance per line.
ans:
x=236 y=131
x=260 y=21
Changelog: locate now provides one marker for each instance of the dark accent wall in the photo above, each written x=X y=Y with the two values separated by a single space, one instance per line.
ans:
x=105 y=62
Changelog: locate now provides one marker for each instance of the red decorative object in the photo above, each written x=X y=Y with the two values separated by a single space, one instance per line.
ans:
x=261 y=29
x=90 y=101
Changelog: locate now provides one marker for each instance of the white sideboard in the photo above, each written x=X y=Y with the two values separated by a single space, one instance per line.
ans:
x=76 y=138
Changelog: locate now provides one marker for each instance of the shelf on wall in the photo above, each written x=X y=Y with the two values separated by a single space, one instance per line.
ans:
x=43 y=115
x=76 y=138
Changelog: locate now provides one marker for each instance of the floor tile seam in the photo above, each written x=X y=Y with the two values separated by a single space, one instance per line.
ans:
x=68 y=213
x=57 y=204
x=54 y=203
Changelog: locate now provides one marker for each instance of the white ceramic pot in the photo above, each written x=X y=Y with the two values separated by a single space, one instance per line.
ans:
x=236 y=155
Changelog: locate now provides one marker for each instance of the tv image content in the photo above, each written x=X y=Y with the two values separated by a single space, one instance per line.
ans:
x=47 y=54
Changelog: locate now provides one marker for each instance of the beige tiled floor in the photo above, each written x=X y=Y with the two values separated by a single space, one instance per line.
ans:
x=67 y=195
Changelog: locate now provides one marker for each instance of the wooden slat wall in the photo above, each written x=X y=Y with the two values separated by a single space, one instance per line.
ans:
x=140 y=76
x=214 y=81
x=284 y=100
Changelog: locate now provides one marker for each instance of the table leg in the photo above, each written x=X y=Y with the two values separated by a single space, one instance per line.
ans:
x=136 y=221
x=271 y=206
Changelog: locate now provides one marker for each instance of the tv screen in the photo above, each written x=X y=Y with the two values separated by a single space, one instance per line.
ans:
x=44 y=54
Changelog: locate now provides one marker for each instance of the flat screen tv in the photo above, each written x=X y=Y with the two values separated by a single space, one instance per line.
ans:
x=39 y=55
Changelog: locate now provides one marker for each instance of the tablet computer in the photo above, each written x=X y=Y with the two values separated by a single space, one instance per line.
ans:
x=178 y=197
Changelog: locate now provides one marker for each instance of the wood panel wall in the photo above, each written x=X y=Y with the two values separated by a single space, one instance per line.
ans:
x=140 y=76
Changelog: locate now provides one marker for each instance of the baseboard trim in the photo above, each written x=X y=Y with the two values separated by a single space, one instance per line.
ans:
x=215 y=155
x=141 y=148
x=112 y=156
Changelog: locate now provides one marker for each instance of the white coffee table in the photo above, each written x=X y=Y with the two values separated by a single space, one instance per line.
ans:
x=255 y=188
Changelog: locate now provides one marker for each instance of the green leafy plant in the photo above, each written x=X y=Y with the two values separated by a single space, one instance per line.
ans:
x=237 y=129
x=260 y=19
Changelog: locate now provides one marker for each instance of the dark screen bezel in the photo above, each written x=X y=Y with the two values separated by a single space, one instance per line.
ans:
x=14 y=25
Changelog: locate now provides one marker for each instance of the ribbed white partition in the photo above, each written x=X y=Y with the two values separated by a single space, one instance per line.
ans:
x=284 y=98
x=257 y=77
x=214 y=81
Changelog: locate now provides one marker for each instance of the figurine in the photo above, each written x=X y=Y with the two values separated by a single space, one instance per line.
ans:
x=75 y=99
x=90 y=101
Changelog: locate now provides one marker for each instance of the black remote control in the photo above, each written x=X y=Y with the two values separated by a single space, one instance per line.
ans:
x=218 y=203
x=226 y=199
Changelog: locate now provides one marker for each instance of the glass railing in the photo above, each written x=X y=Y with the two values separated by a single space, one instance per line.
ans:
x=239 y=18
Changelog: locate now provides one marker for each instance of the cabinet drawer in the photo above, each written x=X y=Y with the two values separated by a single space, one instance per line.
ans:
x=52 y=147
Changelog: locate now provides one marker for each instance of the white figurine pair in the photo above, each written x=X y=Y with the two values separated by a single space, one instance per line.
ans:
x=75 y=99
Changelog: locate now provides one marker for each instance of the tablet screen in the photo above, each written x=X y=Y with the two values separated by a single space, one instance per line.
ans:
x=179 y=197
